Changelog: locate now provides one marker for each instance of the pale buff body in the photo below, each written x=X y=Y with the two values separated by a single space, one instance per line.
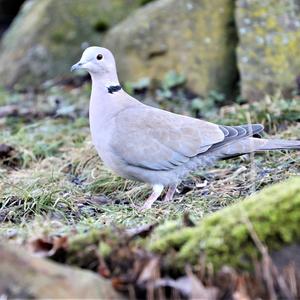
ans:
x=147 y=144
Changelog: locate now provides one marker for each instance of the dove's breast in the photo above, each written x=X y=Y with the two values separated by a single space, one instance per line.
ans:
x=102 y=127
x=101 y=136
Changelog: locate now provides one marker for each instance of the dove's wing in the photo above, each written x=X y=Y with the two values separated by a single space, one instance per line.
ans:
x=154 y=139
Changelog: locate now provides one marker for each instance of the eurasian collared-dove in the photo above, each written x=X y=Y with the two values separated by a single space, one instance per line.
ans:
x=158 y=147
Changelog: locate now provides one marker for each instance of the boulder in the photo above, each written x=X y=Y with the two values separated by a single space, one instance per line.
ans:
x=268 y=52
x=195 y=38
x=23 y=276
x=47 y=37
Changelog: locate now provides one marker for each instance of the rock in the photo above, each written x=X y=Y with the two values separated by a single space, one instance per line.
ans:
x=25 y=277
x=45 y=39
x=268 y=52
x=195 y=38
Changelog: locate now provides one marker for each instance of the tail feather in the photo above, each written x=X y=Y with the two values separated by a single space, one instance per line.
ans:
x=251 y=144
x=276 y=144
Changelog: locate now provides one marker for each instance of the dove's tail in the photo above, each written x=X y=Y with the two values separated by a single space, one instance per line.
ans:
x=275 y=144
x=251 y=144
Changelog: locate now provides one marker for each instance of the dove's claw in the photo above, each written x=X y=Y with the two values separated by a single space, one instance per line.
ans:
x=170 y=193
x=157 y=189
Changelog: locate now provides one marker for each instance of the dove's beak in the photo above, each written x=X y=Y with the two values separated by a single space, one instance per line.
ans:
x=76 y=66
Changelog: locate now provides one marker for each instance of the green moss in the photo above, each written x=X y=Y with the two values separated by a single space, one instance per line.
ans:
x=79 y=242
x=104 y=249
x=224 y=237
x=268 y=51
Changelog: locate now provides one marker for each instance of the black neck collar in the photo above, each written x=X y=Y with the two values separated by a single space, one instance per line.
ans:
x=113 y=88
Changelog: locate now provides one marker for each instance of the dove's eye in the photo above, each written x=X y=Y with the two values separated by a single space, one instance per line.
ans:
x=99 y=56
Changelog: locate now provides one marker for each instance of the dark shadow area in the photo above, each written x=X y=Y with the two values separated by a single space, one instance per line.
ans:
x=8 y=10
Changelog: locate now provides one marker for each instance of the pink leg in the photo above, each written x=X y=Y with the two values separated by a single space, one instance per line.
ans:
x=170 y=193
x=157 y=190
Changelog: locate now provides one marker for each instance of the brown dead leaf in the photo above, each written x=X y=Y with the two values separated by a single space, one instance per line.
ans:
x=141 y=231
x=240 y=292
x=103 y=270
x=54 y=247
x=41 y=246
x=120 y=283
x=150 y=272
x=199 y=291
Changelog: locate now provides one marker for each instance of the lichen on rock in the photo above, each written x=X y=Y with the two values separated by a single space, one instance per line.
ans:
x=268 y=52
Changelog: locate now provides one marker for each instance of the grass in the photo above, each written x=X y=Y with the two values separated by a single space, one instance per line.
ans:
x=54 y=181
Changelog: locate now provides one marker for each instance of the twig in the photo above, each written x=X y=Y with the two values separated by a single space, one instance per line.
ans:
x=266 y=261
x=269 y=269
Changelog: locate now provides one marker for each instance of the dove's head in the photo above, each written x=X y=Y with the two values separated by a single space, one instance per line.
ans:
x=97 y=61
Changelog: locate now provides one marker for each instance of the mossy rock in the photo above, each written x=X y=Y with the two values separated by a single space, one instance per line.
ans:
x=195 y=38
x=268 y=52
x=47 y=37
x=226 y=237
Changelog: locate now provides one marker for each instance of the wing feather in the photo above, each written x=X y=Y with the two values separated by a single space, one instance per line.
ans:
x=154 y=139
